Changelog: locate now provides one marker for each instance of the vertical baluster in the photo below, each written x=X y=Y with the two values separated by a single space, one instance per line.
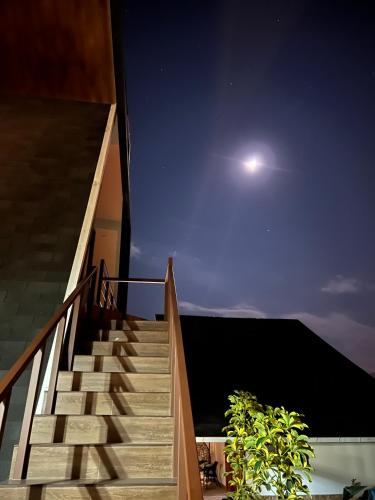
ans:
x=100 y=282
x=110 y=297
x=23 y=447
x=166 y=297
x=106 y=293
x=50 y=399
x=91 y=295
x=73 y=331
x=4 y=405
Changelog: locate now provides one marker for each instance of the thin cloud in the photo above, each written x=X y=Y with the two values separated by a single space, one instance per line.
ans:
x=237 y=311
x=341 y=285
x=192 y=268
x=135 y=251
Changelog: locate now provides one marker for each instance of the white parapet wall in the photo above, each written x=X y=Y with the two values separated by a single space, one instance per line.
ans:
x=337 y=462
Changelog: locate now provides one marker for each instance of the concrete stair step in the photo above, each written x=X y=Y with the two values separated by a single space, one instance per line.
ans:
x=60 y=462
x=123 y=364
x=159 y=337
x=113 y=403
x=113 y=382
x=127 y=349
x=118 y=489
x=92 y=429
x=145 y=325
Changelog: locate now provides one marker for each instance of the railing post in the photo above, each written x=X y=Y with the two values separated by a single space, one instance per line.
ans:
x=50 y=399
x=100 y=281
x=4 y=405
x=73 y=331
x=166 y=297
x=185 y=460
x=23 y=446
x=106 y=293
x=91 y=295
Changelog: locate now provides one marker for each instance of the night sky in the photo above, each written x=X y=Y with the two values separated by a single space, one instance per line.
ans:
x=253 y=156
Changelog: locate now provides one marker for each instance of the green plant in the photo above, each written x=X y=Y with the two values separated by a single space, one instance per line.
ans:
x=241 y=414
x=266 y=449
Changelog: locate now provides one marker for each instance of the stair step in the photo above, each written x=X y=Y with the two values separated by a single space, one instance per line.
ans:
x=127 y=349
x=111 y=461
x=123 y=364
x=145 y=325
x=91 y=429
x=118 y=489
x=159 y=337
x=113 y=382
x=113 y=403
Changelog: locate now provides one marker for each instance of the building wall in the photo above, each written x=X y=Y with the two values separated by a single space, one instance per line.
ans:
x=108 y=215
x=59 y=49
x=337 y=462
x=48 y=154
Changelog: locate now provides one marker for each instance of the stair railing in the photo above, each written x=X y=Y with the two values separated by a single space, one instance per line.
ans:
x=105 y=295
x=64 y=322
x=185 y=458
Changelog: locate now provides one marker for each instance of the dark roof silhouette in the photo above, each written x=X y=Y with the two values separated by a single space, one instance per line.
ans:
x=283 y=363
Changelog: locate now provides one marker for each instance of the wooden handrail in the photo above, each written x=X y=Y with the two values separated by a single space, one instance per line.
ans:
x=13 y=374
x=186 y=466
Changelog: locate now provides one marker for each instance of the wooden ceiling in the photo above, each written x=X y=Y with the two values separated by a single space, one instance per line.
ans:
x=58 y=49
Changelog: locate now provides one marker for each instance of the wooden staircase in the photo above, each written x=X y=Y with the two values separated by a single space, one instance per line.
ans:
x=111 y=434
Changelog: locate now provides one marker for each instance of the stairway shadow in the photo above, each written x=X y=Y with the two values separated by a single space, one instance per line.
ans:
x=35 y=492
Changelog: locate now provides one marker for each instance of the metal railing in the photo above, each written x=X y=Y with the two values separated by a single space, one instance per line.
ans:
x=105 y=295
x=185 y=458
x=64 y=323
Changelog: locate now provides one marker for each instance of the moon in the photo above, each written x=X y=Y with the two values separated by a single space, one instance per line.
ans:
x=252 y=165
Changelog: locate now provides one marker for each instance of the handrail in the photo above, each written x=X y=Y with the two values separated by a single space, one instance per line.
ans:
x=185 y=459
x=13 y=374
x=185 y=462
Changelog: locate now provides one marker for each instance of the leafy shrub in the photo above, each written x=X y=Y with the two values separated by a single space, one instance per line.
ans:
x=266 y=449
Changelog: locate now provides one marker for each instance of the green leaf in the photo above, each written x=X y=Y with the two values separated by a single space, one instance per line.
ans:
x=260 y=441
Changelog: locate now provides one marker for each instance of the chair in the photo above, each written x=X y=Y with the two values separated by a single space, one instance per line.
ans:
x=209 y=474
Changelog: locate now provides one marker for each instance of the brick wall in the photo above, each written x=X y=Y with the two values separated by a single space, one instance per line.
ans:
x=48 y=154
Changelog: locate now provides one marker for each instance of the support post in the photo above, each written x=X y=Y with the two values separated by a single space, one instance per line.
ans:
x=73 y=331
x=51 y=394
x=4 y=405
x=19 y=471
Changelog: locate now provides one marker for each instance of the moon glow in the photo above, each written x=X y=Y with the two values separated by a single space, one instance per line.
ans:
x=252 y=165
